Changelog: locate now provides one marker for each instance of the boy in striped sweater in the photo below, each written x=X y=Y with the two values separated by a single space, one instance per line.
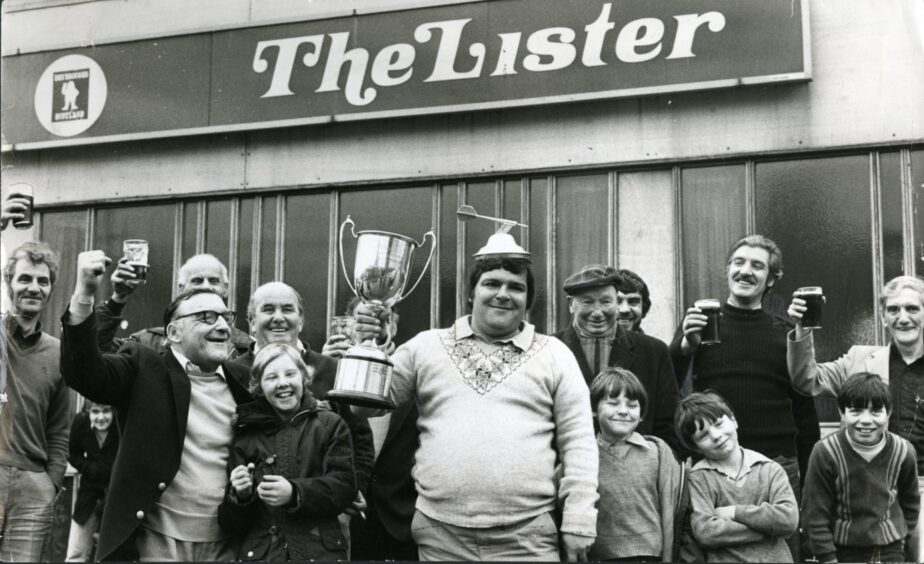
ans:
x=861 y=499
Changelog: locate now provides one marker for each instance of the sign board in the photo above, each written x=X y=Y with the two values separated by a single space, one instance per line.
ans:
x=462 y=57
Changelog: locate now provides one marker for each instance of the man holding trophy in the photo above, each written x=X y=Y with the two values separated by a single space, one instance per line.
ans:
x=499 y=405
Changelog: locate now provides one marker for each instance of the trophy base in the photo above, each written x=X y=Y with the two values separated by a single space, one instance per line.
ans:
x=364 y=378
x=361 y=399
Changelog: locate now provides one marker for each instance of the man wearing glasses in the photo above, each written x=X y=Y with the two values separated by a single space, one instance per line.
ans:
x=175 y=408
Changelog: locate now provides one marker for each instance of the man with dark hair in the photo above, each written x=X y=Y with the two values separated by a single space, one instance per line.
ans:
x=633 y=301
x=499 y=405
x=34 y=407
x=598 y=340
x=748 y=368
x=175 y=407
x=199 y=271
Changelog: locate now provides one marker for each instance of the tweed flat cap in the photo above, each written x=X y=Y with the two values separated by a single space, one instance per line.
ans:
x=591 y=276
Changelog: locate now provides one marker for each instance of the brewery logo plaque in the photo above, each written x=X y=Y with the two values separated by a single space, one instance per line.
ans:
x=70 y=95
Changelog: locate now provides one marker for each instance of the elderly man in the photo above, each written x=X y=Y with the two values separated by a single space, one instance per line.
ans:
x=900 y=363
x=499 y=404
x=633 y=300
x=34 y=407
x=175 y=407
x=748 y=368
x=199 y=271
x=598 y=340
x=276 y=314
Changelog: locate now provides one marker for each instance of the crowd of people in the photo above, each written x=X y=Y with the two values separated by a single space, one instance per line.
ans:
x=200 y=442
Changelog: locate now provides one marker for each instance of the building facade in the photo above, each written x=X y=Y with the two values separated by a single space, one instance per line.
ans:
x=619 y=141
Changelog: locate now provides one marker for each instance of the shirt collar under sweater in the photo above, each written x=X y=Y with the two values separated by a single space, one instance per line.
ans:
x=634 y=439
x=462 y=329
x=186 y=364
x=749 y=458
x=15 y=331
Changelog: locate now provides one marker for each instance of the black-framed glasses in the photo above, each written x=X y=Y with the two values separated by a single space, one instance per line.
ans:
x=210 y=317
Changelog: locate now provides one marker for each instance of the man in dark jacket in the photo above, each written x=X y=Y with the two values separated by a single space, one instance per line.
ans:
x=598 y=340
x=175 y=408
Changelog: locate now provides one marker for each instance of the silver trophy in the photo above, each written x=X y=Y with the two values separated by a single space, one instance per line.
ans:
x=380 y=273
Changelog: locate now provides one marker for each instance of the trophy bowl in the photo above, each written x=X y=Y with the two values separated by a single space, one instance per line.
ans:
x=380 y=274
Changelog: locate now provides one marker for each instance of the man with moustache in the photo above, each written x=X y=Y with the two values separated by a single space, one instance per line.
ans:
x=748 y=368
x=499 y=404
x=34 y=407
x=900 y=364
x=199 y=271
x=175 y=407
x=599 y=337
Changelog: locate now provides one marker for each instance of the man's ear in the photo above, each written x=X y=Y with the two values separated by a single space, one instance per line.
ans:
x=172 y=332
x=570 y=304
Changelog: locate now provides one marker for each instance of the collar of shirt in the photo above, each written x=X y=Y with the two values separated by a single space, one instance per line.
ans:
x=750 y=458
x=186 y=364
x=634 y=439
x=896 y=356
x=25 y=340
x=522 y=340
x=611 y=335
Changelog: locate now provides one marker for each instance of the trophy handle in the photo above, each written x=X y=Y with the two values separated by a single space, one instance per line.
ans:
x=340 y=240
x=432 y=237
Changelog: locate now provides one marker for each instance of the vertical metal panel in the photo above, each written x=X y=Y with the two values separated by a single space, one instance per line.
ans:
x=892 y=194
x=876 y=246
x=647 y=246
x=234 y=226
x=679 y=245
x=178 y=224
x=461 y=238
x=612 y=220
x=436 y=264
x=280 y=254
x=333 y=255
x=256 y=243
x=551 y=310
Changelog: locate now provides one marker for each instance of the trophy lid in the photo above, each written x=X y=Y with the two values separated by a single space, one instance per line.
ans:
x=501 y=244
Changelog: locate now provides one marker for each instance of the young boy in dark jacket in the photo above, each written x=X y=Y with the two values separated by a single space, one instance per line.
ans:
x=291 y=467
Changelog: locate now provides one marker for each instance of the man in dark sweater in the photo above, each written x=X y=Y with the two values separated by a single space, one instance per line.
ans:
x=34 y=407
x=598 y=341
x=748 y=368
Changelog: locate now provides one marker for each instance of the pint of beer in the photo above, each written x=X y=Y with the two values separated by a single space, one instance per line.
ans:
x=814 y=299
x=24 y=191
x=710 y=308
x=136 y=251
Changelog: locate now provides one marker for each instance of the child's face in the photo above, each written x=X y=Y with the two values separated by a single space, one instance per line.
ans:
x=100 y=417
x=717 y=440
x=281 y=384
x=867 y=425
x=618 y=417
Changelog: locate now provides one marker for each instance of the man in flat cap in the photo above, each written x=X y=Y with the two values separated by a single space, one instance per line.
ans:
x=598 y=341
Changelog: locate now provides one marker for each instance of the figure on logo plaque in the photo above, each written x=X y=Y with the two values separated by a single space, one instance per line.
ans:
x=380 y=273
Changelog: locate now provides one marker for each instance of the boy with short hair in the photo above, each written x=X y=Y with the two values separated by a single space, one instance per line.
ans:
x=639 y=478
x=743 y=506
x=861 y=494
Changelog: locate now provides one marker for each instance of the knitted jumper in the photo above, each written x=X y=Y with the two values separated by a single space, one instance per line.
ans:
x=748 y=369
x=851 y=502
x=35 y=424
x=494 y=421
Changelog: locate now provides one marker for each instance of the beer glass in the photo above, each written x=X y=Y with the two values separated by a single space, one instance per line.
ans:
x=24 y=191
x=136 y=251
x=710 y=333
x=814 y=300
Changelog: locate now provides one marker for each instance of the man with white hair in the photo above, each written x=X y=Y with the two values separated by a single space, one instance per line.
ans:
x=199 y=271
x=900 y=364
